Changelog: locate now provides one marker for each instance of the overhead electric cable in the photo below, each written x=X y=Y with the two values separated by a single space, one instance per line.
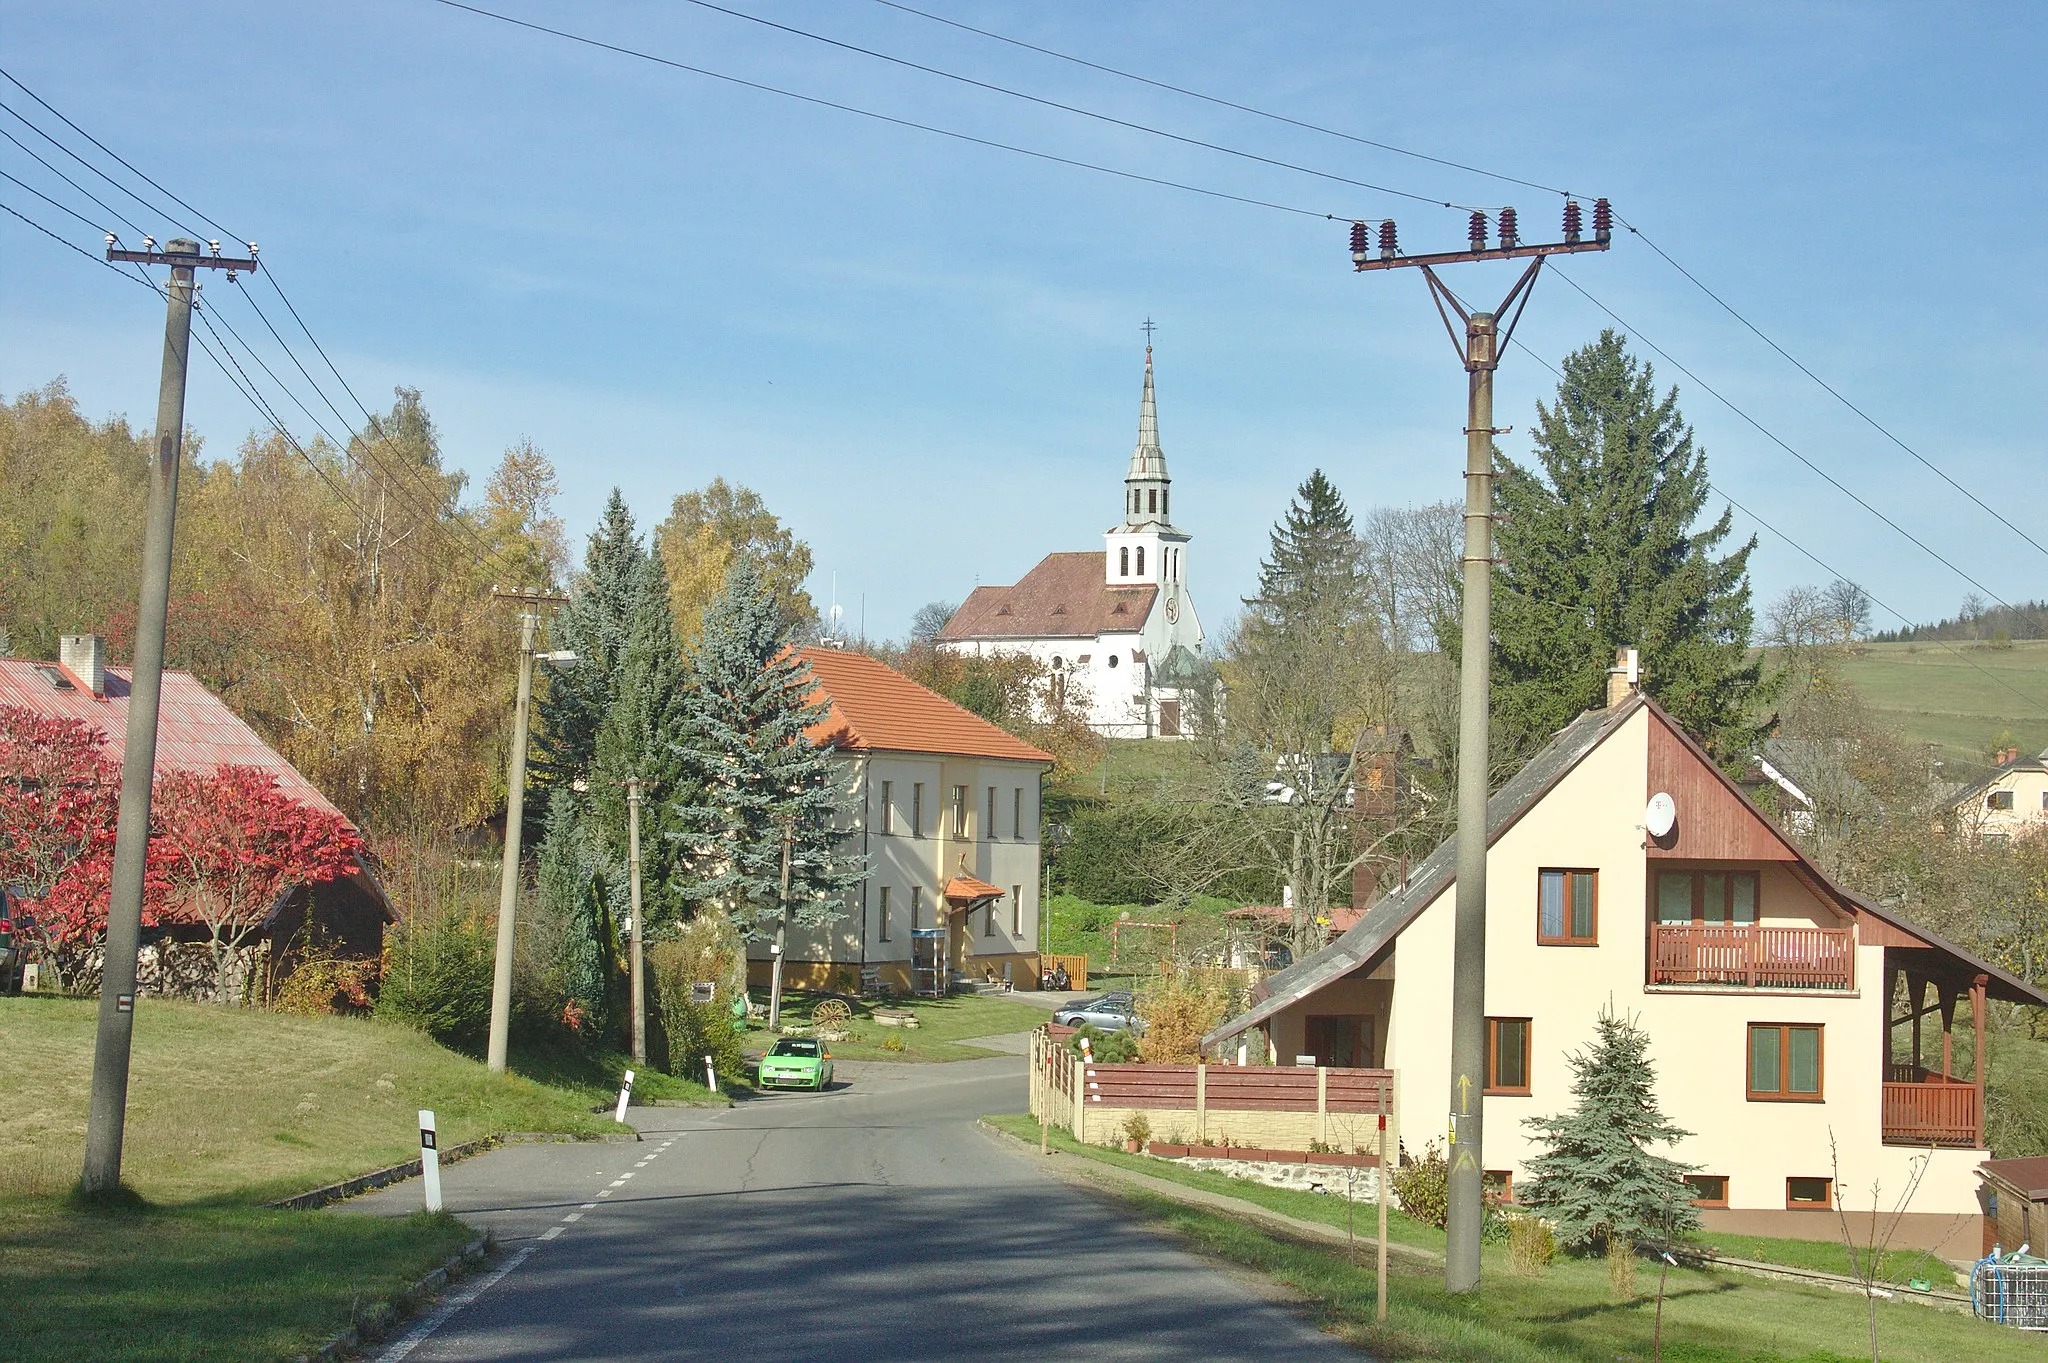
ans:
x=1067 y=108
x=104 y=207
x=33 y=127
x=933 y=129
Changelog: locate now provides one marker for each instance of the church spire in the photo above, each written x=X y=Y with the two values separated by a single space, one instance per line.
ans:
x=1145 y=483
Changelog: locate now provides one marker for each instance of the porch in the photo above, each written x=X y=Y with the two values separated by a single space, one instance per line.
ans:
x=1923 y=1105
x=1752 y=956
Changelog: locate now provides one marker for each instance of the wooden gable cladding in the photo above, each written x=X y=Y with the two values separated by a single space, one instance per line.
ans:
x=1715 y=821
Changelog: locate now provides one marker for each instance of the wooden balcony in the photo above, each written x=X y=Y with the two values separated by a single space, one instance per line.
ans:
x=1752 y=956
x=1933 y=1112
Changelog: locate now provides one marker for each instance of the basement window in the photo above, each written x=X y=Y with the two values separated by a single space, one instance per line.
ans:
x=1708 y=1190
x=1809 y=1194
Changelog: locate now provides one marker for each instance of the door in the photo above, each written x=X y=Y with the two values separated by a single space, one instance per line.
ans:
x=1169 y=719
x=1341 y=1041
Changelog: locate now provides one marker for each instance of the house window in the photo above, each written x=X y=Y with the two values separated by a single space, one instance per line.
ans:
x=1708 y=1190
x=1016 y=910
x=883 y=916
x=2044 y=799
x=1134 y=501
x=1344 y=1041
x=1567 y=908
x=1017 y=813
x=988 y=929
x=1499 y=1184
x=1784 y=1062
x=990 y=831
x=888 y=806
x=1809 y=1194
x=1152 y=499
x=1705 y=898
x=917 y=809
x=1997 y=799
x=1123 y=561
x=1507 y=1055
x=959 y=811
x=916 y=908
x=1141 y=560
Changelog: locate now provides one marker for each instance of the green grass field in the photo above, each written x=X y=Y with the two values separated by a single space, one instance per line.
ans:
x=942 y=1026
x=229 y=1108
x=1961 y=698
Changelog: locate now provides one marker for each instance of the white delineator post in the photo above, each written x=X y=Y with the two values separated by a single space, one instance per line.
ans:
x=710 y=1075
x=625 y=1092
x=430 y=1160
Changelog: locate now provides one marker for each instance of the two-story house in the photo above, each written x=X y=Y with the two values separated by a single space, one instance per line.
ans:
x=1801 y=1033
x=944 y=805
x=2011 y=802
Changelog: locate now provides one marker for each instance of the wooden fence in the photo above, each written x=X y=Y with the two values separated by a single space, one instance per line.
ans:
x=1753 y=956
x=1939 y=1113
x=1265 y=1106
x=1077 y=969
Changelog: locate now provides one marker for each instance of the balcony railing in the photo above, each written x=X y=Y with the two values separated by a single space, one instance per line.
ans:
x=1753 y=956
x=1933 y=1113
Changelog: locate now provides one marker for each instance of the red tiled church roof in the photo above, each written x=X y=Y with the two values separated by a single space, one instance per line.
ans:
x=1064 y=596
x=875 y=707
x=195 y=729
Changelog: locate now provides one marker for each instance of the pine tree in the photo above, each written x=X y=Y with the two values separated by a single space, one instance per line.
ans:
x=1314 y=558
x=749 y=703
x=1599 y=553
x=1596 y=1181
x=570 y=893
x=644 y=735
x=597 y=624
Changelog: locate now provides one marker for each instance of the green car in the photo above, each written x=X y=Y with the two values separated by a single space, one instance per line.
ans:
x=796 y=1062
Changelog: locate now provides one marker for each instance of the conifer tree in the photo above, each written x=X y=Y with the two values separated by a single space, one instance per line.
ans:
x=571 y=893
x=749 y=702
x=1599 y=552
x=597 y=625
x=1314 y=558
x=1596 y=1181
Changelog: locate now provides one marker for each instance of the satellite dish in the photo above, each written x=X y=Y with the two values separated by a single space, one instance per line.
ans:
x=1661 y=816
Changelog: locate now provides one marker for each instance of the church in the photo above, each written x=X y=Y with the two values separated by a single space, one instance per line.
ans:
x=1118 y=629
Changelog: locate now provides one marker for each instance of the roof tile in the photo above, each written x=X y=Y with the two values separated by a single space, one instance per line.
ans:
x=1064 y=596
x=873 y=707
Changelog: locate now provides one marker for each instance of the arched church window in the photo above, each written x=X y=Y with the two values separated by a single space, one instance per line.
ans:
x=1152 y=498
x=1141 y=560
x=1058 y=662
x=1123 y=564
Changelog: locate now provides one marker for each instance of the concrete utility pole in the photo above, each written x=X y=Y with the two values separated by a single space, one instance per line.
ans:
x=515 y=815
x=107 y=1117
x=1479 y=350
x=639 y=980
x=781 y=932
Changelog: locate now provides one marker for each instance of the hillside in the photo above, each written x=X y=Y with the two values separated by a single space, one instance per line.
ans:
x=1961 y=698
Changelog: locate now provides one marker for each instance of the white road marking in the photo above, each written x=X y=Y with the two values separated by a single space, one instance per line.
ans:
x=572 y=1216
x=604 y=1192
x=418 y=1334
x=551 y=1232
x=588 y=1205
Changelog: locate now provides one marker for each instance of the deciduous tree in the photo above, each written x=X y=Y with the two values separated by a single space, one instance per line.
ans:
x=706 y=531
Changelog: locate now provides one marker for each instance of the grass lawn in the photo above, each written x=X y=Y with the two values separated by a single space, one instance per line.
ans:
x=942 y=1024
x=229 y=1108
x=1935 y=696
x=1567 y=1313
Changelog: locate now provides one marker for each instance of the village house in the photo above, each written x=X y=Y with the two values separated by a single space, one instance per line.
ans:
x=2009 y=803
x=1117 y=629
x=197 y=732
x=944 y=805
x=1801 y=1033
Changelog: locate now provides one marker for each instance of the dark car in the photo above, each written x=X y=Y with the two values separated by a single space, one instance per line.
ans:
x=1112 y=1012
x=14 y=940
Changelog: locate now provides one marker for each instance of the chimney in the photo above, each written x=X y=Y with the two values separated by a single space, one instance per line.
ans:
x=1623 y=677
x=84 y=656
x=2008 y=756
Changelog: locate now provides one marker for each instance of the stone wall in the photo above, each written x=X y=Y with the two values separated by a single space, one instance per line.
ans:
x=1362 y=1185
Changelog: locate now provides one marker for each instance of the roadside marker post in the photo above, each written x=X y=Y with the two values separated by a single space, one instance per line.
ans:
x=710 y=1075
x=625 y=1092
x=430 y=1160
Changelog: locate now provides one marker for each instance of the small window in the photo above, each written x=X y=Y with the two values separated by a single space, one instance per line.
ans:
x=959 y=811
x=888 y=806
x=988 y=928
x=1708 y=1190
x=882 y=917
x=1997 y=799
x=1784 y=1062
x=1164 y=493
x=1123 y=561
x=2044 y=799
x=1141 y=560
x=1507 y=1055
x=1016 y=910
x=1499 y=1184
x=1567 y=908
x=1017 y=813
x=1112 y=660
x=917 y=908
x=990 y=831
x=917 y=809
x=1152 y=499
x=1809 y=1194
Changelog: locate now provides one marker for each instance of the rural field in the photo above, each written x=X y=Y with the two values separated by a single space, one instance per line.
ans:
x=1960 y=697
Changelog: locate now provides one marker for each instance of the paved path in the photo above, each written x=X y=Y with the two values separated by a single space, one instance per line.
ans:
x=876 y=1221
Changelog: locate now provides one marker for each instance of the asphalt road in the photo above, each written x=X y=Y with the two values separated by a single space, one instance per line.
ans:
x=875 y=1221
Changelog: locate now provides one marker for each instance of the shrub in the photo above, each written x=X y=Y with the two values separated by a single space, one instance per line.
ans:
x=324 y=983
x=1109 y=1048
x=1138 y=1128
x=707 y=950
x=1531 y=1246
x=1179 y=1009
x=437 y=977
x=1423 y=1187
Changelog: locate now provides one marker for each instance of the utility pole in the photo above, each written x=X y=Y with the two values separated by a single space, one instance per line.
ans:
x=107 y=1117
x=1479 y=351
x=781 y=931
x=639 y=980
x=515 y=815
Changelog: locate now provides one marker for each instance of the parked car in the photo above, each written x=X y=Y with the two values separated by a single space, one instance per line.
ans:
x=796 y=1062
x=1113 y=1012
x=14 y=940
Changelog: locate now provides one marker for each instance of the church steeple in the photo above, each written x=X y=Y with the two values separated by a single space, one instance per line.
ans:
x=1146 y=484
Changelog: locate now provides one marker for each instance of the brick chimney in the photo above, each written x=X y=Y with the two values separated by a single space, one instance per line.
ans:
x=2008 y=756
x=1624 y=677
x=84 y=656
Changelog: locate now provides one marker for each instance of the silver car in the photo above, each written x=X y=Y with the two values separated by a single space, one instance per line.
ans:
x=1113 y=1012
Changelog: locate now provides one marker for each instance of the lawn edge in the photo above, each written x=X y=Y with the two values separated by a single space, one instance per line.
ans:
x=315 y=1198
x=372 y=1325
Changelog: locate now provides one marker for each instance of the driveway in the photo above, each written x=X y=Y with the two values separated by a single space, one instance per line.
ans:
x=874 y=1221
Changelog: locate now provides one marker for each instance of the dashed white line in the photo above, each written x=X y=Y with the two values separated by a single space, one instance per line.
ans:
x=588 y=1205
x=551 y=1232
x=572 y=1216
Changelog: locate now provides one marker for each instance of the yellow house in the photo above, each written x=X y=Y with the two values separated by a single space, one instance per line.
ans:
x=2011 y=802
x=1799 y=1031
x=944 y=805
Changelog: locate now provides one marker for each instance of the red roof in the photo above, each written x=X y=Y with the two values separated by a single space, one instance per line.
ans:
x=1064 y=596
x=873 y=707
x=195 y=730
x=966 y=890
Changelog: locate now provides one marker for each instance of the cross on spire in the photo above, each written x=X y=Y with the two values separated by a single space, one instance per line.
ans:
x=1148 y=328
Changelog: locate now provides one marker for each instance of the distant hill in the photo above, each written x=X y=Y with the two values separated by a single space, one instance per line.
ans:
x=1959 y=696
x=1977 y=623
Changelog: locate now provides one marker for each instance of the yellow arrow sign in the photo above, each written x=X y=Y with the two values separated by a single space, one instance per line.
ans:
x=1464 y=1095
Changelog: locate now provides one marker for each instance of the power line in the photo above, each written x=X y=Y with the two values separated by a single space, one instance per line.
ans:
x=103 y=205
x=933 y=129
x=39 y=132
x=1066 y=108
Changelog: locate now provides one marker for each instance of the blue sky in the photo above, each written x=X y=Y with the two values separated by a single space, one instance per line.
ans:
x=926 y=354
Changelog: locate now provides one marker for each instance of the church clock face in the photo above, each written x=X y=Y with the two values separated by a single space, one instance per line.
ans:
x=1172 y=609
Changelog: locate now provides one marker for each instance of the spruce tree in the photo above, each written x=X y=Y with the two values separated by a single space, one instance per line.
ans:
x=1314 y=560
x=1599 y=552
x=644 y=734
x=1596 y=1181
x=597 y=625
x=571 y=895
x=748 y=705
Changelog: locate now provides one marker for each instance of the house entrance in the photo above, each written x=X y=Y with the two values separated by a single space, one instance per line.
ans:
x=1341 y=1041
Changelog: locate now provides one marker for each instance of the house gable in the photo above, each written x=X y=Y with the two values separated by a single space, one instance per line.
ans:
x=1716 y=822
